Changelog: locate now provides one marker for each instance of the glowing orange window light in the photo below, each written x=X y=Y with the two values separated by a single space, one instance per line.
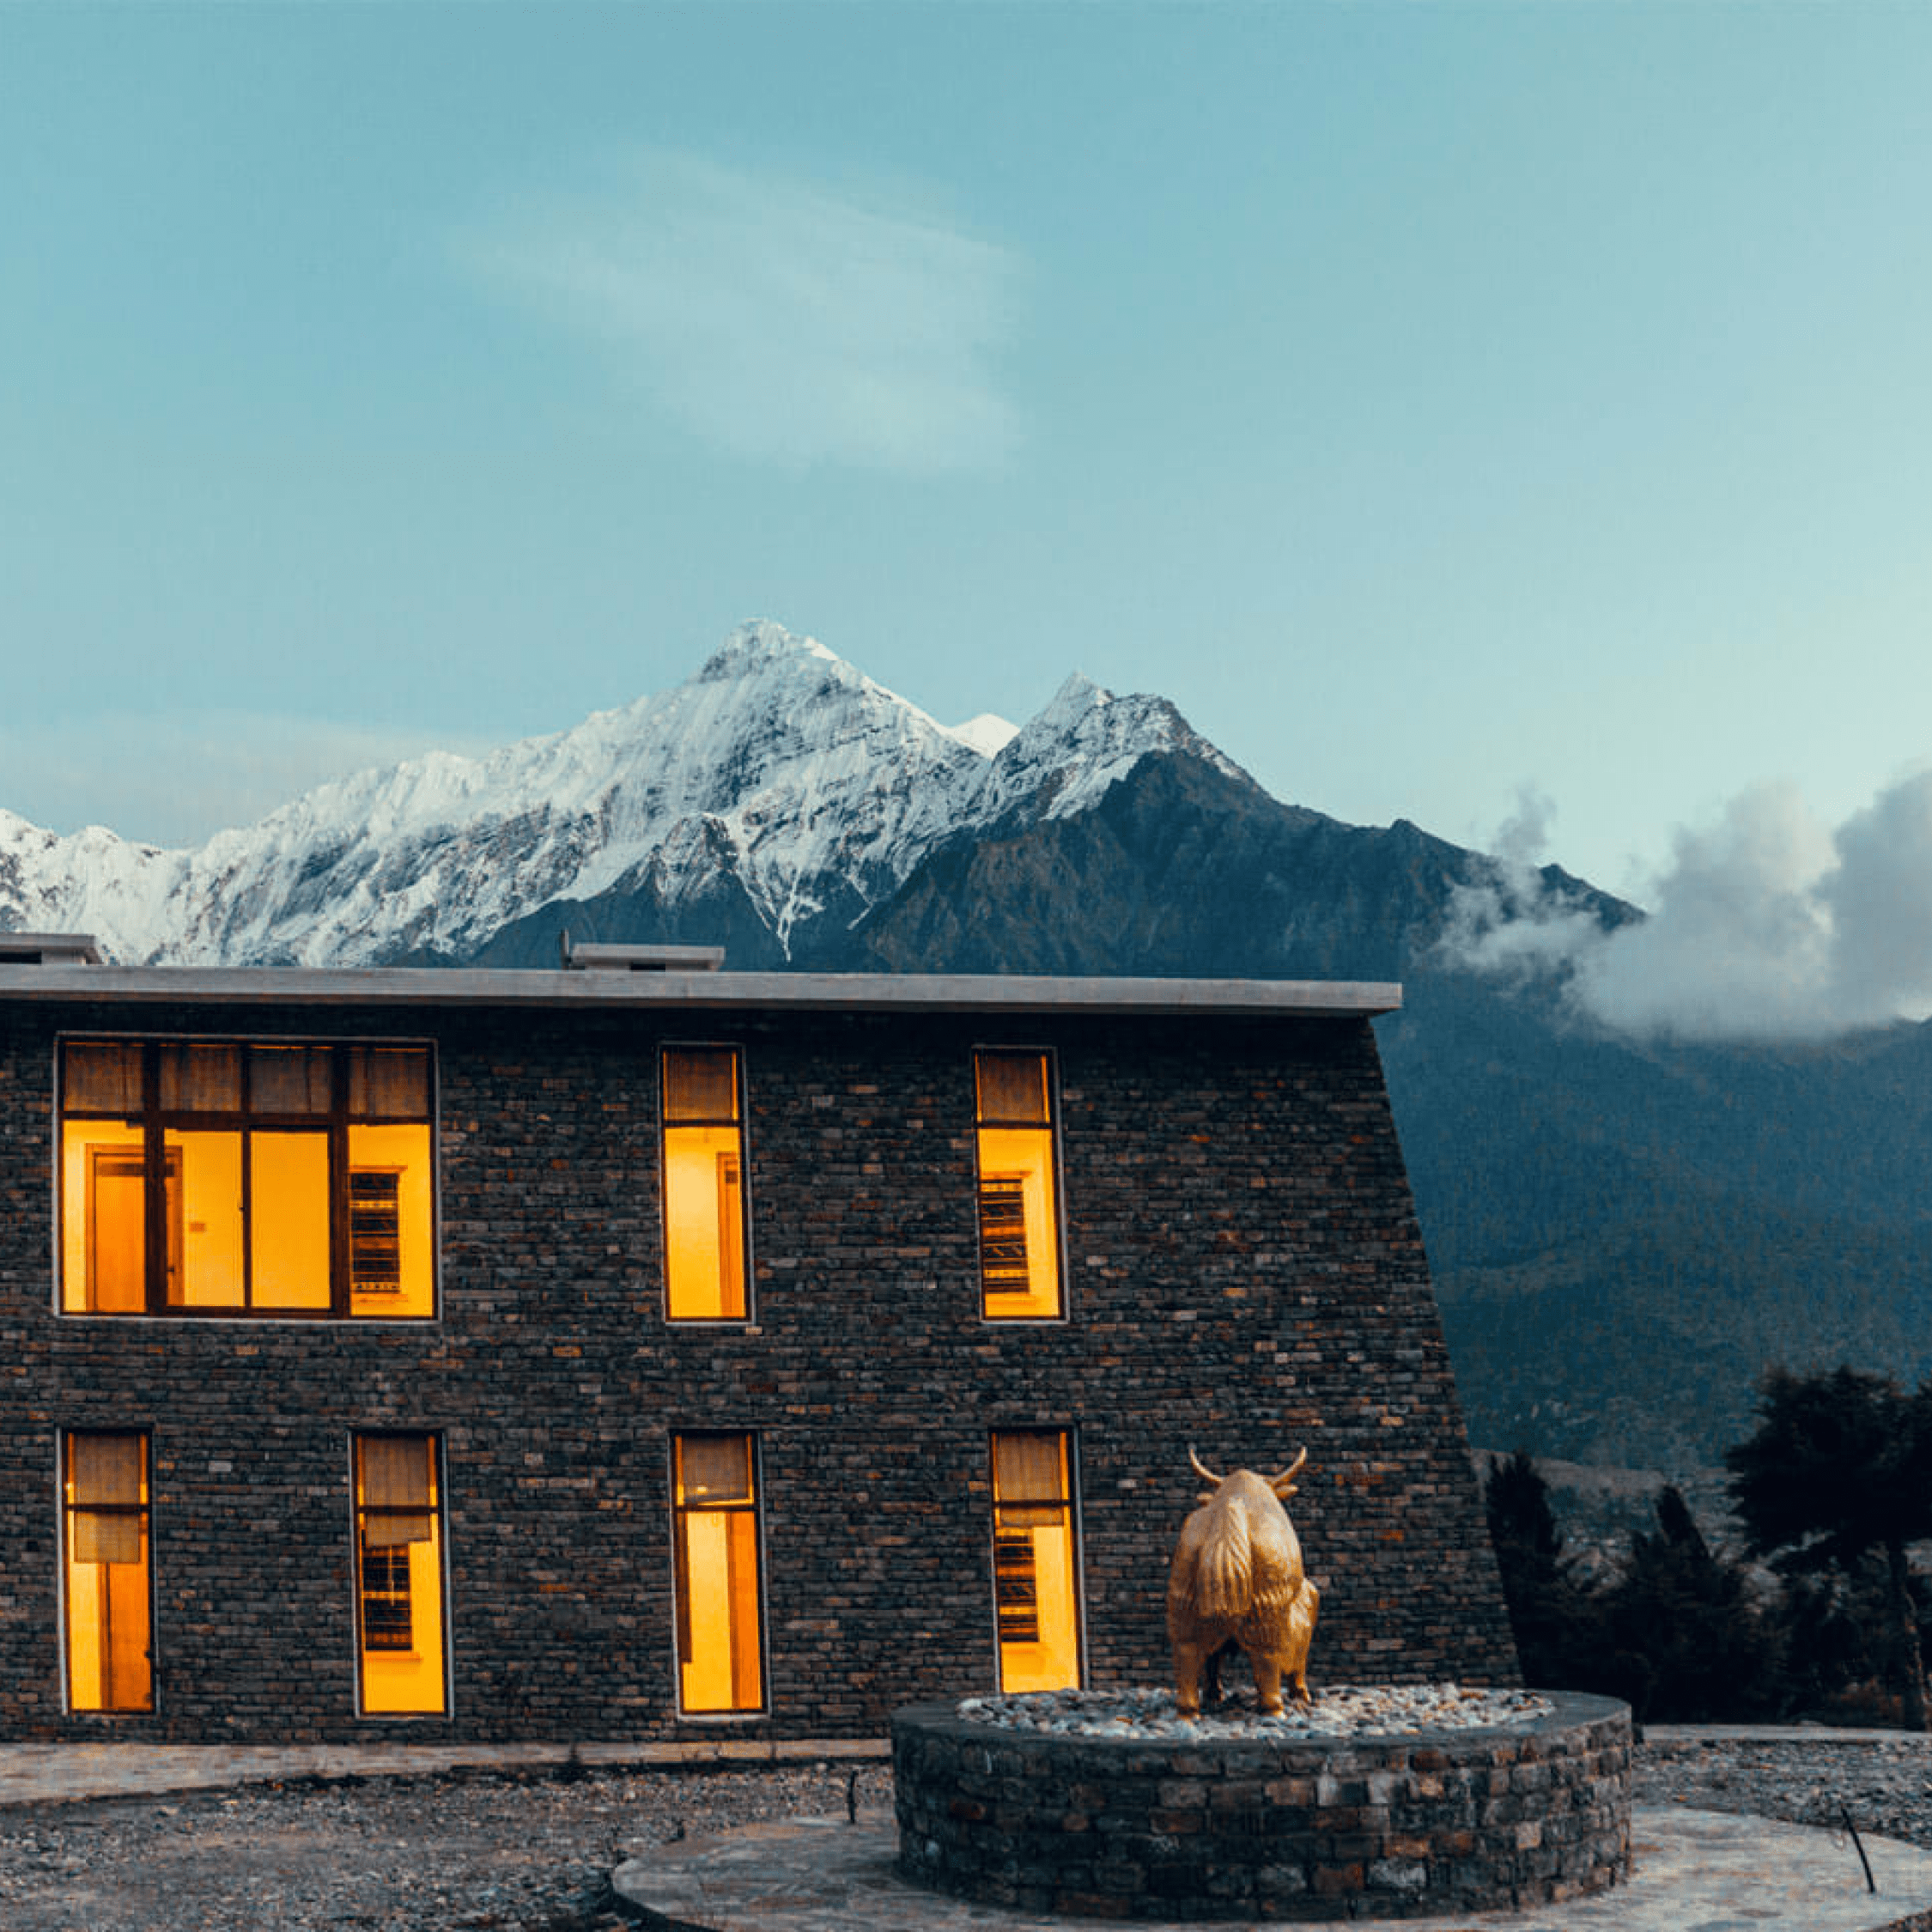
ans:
x=703 y=1141
x=214 y=1177
x=399 y=1612
x=715 y=1535
x=1018 y=1202
x=1036 y=1584
x=109 y=1594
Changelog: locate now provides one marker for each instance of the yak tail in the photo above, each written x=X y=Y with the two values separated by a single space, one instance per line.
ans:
x=1224 y=1579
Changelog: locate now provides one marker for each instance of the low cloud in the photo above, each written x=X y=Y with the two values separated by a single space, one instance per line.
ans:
x=177 y=778
x=1767 y=925
x=1509 y=922
x=774 y=319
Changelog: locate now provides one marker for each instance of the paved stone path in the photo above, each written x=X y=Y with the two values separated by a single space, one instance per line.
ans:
x=1696 y=1871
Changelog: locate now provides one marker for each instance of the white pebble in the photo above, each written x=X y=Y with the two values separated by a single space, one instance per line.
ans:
x=1341 y=1710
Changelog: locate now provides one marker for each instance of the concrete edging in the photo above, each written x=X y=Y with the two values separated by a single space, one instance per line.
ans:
x=58 y=1773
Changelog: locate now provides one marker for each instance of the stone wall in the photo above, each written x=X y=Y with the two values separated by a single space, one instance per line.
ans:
x=1243 y=1273
x=1376 y=1827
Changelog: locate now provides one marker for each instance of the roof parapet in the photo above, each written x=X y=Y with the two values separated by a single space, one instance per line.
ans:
x=584 y=957
x=48 y=948
x=452 y=988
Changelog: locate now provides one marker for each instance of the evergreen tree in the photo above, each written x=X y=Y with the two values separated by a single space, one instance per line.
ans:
x=1549 y=1612
x=1688 y=1643
x=1841 y=1465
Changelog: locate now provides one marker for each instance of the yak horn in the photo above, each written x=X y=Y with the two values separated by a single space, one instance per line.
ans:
x=1289 y=1475
x=1201 y=1469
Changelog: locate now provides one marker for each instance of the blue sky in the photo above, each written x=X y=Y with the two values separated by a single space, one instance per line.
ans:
x=1435 y=402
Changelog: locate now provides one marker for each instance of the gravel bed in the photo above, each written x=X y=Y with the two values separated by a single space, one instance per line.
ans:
x=1337 y=1710
x=485 y=1852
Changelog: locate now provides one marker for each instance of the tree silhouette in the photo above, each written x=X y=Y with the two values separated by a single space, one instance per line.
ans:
x=1687 y=1643
x=1841 y=1464
x=1550 y=1613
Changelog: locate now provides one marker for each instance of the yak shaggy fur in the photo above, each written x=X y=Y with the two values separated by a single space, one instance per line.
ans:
x=1237 y=1576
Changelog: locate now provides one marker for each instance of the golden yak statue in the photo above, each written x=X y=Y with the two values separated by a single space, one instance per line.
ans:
x=1237 y=1577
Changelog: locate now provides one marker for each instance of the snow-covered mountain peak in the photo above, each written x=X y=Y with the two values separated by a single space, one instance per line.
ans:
x=778 y=771
x=759 y=642
x=1087 y=739
x=1072 y=703
x=986 y=731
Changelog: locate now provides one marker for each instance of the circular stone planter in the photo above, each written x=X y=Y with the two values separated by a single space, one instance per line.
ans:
x=1391 y=1824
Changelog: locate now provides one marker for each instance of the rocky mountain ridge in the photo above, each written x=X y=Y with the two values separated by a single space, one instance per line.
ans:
x=777 y=770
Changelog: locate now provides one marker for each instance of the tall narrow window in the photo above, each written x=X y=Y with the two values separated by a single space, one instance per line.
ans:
x=703 y=1185
x=1035 y=1585
x=715 y=1542
x=109 y=1597
x=1019 y=1213
x=388 y=1162
x=399 y=1575
x=211 y=1177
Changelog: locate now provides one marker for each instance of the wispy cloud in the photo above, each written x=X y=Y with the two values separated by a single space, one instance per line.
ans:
x=1767 y=924
x=777 y=320
x=175 y=780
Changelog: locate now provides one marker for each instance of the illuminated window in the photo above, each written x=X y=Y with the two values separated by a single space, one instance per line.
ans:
x=1019 y=1213
x=231 y=1177
x=1036 y=1586
x=703 y=1185
x=399 y=1575
x=109 y=1598
x=714 y=1541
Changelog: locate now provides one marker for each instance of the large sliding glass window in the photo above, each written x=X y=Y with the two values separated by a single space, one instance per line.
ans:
x=705 y=1274
x=1035 y=1581
x=714 y=1544
x=399 y=1575
x=109 y=1594
x=224 y=1177
x=1020 y=1209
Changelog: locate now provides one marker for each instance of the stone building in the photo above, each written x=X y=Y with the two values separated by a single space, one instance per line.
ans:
x=644 y=1349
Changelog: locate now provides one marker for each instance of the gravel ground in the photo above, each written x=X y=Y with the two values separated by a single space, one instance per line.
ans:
x=457 y=1853
x=1884 y=1789
x=467 y=1852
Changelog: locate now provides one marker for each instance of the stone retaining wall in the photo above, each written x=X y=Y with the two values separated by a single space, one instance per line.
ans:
x=1392 y=1826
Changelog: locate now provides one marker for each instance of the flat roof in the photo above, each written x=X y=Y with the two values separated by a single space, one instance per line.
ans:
x=897 y=993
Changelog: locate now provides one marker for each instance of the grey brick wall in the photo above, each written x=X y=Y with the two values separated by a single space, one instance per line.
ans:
x=1244 y=1273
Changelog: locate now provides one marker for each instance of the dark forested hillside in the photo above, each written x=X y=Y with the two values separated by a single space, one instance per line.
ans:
x=1624 y=1236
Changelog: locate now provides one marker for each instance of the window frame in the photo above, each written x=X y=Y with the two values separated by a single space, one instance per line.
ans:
x=1050 y=1128
x=439 y=1510
x=143 y=1514
x=1069 y=1438
x=742 y=1125
x=155 y=1122
x=754 y=1438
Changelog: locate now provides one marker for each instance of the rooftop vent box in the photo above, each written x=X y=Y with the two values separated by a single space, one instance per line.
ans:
x=48 y=948
x=581 y=957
